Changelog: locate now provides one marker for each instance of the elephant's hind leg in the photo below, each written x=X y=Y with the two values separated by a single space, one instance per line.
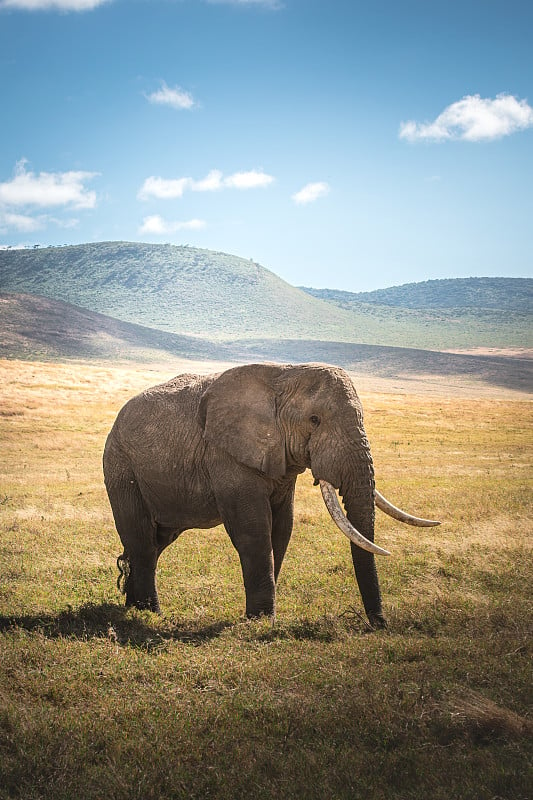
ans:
x=137 y=533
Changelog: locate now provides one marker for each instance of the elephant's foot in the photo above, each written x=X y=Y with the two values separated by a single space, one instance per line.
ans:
x=260 y=614
x=149 y=604
x=261 y=605
x=141 y=590
x=377 y=620
x=260 y=597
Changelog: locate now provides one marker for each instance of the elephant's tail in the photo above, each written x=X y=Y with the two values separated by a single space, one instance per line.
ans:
x=123 y=566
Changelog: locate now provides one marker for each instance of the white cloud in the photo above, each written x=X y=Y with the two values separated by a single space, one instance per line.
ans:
x=47 y=189
x=473 y=119
x=211 y=183
x=52 y=5
x=25 y=223
x=20 y=222
x=162 y=188
x=174 y=97
x=158 y=226
x=310 y=192
x=170 y=188
x=253 y=179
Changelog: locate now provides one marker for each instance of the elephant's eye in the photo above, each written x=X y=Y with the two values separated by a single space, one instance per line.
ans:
x=314 y=420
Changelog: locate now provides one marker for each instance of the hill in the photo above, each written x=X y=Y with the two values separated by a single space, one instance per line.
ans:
x=455 y=313
x=33 y=327
x=178 y=289
x=509 y=294
x=186 y=290
x=37 y=328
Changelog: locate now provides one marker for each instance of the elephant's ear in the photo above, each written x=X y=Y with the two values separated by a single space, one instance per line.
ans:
x=238 y=413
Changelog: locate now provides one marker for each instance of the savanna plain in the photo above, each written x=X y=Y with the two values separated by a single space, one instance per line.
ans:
x=97 y=701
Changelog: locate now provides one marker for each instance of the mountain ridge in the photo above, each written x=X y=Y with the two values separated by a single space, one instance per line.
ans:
x=513 y=294
x=183 y=289
x=194 y=292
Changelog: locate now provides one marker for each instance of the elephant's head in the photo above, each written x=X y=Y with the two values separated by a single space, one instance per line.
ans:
x=278 y=419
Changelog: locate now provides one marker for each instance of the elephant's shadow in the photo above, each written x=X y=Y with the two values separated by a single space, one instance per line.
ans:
x=122 y=627
x=114 y=623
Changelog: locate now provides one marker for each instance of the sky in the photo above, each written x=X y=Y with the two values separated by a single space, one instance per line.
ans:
x=349 y=144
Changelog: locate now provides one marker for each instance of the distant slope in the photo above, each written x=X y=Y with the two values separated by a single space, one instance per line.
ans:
x=179 y=289
x=511 y=294
x=37 y=328
x=33 y=327
x=186 y=290
x=455 y=313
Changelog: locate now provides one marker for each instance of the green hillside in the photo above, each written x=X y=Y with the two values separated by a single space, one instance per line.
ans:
x=444 y=314
x=178 y=289
x=185 y=290
x=510 y=294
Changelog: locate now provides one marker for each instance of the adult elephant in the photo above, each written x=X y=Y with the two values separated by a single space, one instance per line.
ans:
x=227 y=448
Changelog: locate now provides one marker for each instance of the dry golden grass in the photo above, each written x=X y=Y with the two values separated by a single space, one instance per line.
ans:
x=96 y=701
x=481 y=718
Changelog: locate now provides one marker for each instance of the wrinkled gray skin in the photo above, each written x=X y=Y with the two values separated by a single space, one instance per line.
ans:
x=199 y=451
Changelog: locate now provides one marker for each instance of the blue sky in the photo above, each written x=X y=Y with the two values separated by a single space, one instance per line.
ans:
x=342 y=144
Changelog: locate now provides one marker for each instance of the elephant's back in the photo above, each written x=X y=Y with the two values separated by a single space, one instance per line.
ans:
x=161 y=412
x=187 y=382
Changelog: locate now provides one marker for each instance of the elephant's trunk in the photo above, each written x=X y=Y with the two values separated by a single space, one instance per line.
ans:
x=359 y=504
x=353 y=473
x=347 y=465
x=360 y=510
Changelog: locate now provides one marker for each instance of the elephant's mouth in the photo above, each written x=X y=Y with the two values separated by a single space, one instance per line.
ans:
x=339 y=518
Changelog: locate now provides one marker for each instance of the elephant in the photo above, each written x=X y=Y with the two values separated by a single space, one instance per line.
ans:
x=227 y=448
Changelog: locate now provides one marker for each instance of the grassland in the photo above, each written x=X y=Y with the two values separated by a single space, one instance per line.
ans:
x=34 y=328
x=96 y=701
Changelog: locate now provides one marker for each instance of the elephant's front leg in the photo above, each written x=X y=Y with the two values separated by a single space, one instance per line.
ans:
x=247 y=517
x=282 y=522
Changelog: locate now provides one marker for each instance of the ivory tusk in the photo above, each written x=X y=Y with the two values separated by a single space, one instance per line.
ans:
x=384 y=505
x=339 y=518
